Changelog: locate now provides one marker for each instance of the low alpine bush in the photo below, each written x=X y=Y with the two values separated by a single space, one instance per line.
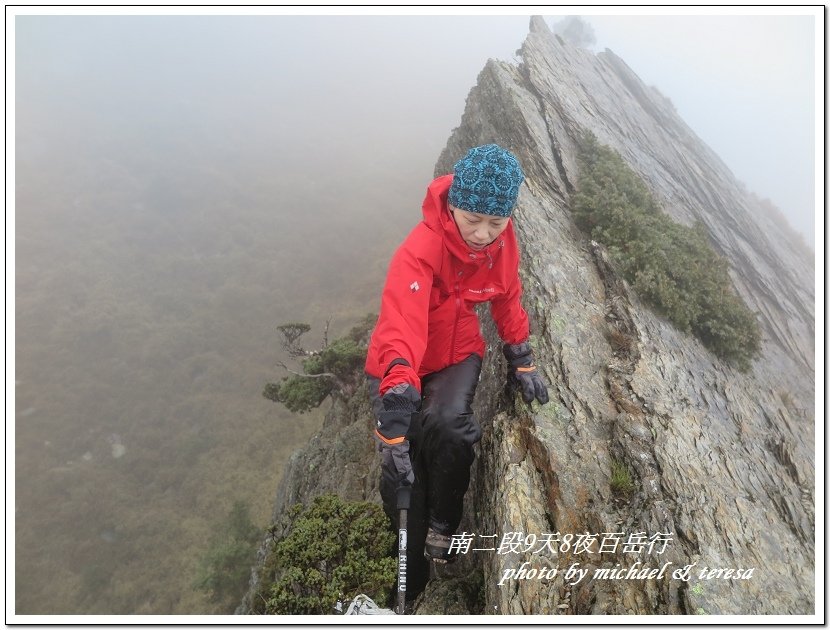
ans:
x=672 y=267
x=332 y=549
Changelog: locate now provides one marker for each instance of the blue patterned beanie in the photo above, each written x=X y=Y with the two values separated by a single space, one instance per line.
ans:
x=487 y=181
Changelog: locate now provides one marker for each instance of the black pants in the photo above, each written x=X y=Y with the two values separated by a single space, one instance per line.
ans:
x=441 y=449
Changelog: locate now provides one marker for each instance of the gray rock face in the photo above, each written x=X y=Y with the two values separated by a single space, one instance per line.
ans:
x=722 y=462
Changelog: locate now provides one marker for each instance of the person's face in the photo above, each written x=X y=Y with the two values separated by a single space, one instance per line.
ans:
x=478 y=230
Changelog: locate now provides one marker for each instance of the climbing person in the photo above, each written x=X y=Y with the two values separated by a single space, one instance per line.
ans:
x=425 y=354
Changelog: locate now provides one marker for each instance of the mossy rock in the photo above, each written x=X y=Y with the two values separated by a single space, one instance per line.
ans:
x=453 y=596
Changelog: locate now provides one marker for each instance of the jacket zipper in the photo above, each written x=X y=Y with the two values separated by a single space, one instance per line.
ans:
x=455 y=323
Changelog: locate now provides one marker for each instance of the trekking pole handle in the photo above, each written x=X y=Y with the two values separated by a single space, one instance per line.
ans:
x=404 y=495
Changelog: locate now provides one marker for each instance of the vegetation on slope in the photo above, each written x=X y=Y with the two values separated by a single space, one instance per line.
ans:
x=672 y=267
x=331 y=550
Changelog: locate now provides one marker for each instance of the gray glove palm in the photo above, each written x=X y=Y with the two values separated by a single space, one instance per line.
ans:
x=520 y=357
x=399 y=453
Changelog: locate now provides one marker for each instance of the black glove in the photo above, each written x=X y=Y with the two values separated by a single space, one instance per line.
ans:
x=399 y=403
x=400 y=458
x=520 y=357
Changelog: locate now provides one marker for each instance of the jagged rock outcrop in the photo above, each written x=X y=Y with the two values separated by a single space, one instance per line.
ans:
x=723 y=462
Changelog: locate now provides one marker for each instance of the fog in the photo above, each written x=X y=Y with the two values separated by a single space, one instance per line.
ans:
x=746 y=84
x=185 y=184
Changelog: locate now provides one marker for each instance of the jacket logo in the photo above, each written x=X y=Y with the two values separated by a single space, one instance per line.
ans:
x=487 y=290
x=414 y=286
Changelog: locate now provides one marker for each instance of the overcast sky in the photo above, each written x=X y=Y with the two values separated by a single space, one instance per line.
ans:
x=745 y=84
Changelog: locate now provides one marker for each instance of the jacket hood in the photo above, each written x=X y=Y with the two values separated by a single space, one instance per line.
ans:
x=439 y=219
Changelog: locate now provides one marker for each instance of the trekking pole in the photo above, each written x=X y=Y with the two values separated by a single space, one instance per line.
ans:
x=404 y=493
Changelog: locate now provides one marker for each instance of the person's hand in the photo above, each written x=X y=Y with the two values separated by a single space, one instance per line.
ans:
x=399 y=453
x=399 y=403
x=520 y=358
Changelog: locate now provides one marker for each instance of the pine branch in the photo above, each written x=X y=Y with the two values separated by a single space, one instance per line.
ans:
x=288 y=369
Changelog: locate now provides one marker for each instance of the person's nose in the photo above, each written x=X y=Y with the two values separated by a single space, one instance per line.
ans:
x=482 y=234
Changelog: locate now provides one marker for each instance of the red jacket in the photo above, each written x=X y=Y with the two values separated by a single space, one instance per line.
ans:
x=433 y=282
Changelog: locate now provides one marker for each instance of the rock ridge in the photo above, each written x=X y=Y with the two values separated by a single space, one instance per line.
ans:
x=721 y=463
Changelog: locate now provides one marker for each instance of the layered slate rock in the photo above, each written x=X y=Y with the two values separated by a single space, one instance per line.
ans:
x=722 y=462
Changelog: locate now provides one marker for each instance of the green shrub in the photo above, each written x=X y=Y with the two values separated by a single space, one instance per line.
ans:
x=334 y=368
x=673 y=268
x=342 y=358
x=299 y=393
x=331 y=550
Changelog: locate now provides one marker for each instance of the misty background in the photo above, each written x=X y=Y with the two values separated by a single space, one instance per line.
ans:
x=185 y=184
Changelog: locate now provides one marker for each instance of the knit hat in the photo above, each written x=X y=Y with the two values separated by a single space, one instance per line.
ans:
x=487 y=181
